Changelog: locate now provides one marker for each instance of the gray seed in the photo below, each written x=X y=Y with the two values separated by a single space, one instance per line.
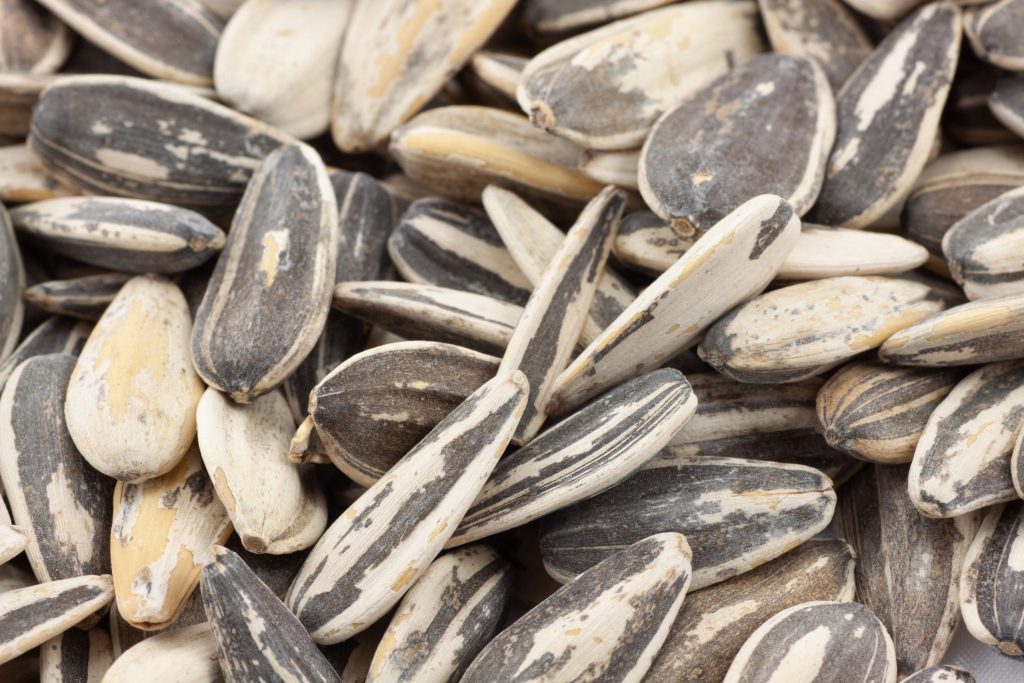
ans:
x=33 y=41
x=551 y=18
x=76 y=656
x=85 y=297
x=23 y=179
x=186 y=654
x=54 y=335
x=12 y=281
x=994 y=32
x=1007 y=102
x=981 y=248
x=941 y=674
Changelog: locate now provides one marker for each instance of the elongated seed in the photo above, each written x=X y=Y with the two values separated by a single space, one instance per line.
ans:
x=188 y=653
x=84 y=297
x=76 y=656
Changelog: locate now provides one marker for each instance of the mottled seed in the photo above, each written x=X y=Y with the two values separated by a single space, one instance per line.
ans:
x=12 y=282
x=994 y=33
x=981 y=247
x=76 y=656
x=941 y=674
x=84 y=297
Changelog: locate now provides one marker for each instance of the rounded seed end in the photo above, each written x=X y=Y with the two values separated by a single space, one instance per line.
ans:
x=541 y=116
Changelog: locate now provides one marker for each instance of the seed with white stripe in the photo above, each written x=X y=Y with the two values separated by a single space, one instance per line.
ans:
x=994 y=35
x=85 y=297
x=496 y=74
x=76 y=656
x=941 y=674
x=981 y=246
x=1007 y=102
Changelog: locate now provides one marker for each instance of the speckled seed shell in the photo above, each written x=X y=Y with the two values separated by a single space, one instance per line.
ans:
x=31 y=616
x=76 y=656
x=734 y=261
x=962 y=462
x=128 y=235
x=990 y=596
x=185 y=654
x=275 y=506
x=272 y=286
x=162 y=532
x=941 y=674
x=994 y=33
x=877 y=412
x=546 y=334
x=12 y=281
x=132 y=397
x=23 y=179
x=604 y=89
x=54 y=335
x=720 y=146
x=257 y=637
x=823 y=252
x=443 y=243
x=397 y=55
x=714 y=623
x=554 y=17
x=586 y=453
x=805 y=329
x=458 y=151
x=1007 y=102
x=276 y=61
x=817 y=641
x=433 y=313
x=84 y=297
x=608 y=624
x=983 y=248
x=984 y=331
x=61 y=502
x=908 y=566
x=888 y=115
x=739 y=513
x=174 y=40
x=32 y=41
x=370 y=556
x=373 y=408
x=444 y=621
x=138 y=138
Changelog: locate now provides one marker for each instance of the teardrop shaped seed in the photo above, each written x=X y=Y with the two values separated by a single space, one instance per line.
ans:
x=980 y=247
x=993 y=32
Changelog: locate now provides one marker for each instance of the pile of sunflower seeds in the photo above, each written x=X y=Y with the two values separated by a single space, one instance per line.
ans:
x=485 y=340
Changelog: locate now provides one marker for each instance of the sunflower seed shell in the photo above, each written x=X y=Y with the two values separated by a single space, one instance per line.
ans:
x=980 y=248
x=941 y=674
x=76 y=656
x=185 y=654
x=615 y=167
x=994 y=35
x=33 y=41
x=556 y=17
x=54 y=335
x=498 y=72
x=23 y=179
x=1007 y=102
x=12 y=282
x=13 y=540
x=85 y=297
x=823 y=252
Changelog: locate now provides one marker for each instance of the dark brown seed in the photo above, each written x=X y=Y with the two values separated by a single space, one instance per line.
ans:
x=85 y=297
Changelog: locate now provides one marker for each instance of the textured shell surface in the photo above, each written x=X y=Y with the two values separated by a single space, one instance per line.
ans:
x=12 y=281
x=993 y=33
x=184 y=654
x=76 y=656
x=84 y=297
x=941 y=674
x=53 y=335
x=983 y=248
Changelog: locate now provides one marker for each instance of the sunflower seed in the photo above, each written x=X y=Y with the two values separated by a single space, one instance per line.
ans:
x=823 y=252
x=613 y=167
x=1007 y=102
x=76 y=656
x=54 y=335
x=714 y=622
x=397 y=55
x=432 y=313
x=817 y=640
x=904 y=558
x=738 y=513
x=23 y=179
x=138 y=138
x=160 y=539
x=555 y=17
x=13 y=539
x=186 y=654
x=586 y=453
x=399 y=525
x=962 y=462
x=994 y=35
x=888 y=114
x=980 y=247
x=969 y=119
x=608 y=624
x=703 y=158
x=888 y=10
x=668 y=316
x=223 y=8
x=498 y=73
x=444 y=621
x=12 y=281
x=84 y=297
x=647 y=242
x=604 y=89
x=121 y=234
x=31 y=616
x=33 y=40
x=877 y=412
x=172 y=39
x=941 y=674
x=61 y=502
x=285 y=236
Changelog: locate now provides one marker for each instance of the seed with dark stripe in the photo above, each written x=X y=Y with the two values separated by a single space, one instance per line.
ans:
x=54 y=335
x=84 y=297
x=76 y=655
x=941 y=674
x=1007 y=102
x=994 y=35
x=980 y=247
x=12 y=281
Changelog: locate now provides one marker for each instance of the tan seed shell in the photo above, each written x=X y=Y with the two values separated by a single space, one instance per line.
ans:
x=23 y=179
x=186 y=654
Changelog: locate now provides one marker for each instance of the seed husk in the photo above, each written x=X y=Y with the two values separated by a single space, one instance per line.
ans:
x=13 y=539
x=720 y=146
x=969 y=118
x=734 y=261
x=369 y=557
x=444 y=621
x=23 y=179
x=714 y=622
x=886 y=10
x=223 y=8
x=832 y=640
x=552 y=18
x=173 y=40
x=614 y=167
x=877 y=412
x=647 y=242
x=76 y=656
x=84 y=297
x=903 y=559
x=888 y=114
x=941 y=674
x=739 y=513
x=12 y=281
x=33 y=40
x=273 y=283
x=497 y=73
x=397 y=55
x=980 y=248
x=54 y=335
x=608 y=624
x=1007 y=102
x=994 y=35
x=604 y=89
x=185 y=654
x=31 y=616
x=962 y=462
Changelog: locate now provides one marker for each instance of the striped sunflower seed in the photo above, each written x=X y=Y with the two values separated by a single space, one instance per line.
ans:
x=608 y=624
x=160 y=539
x=138 y=138
x=877 y=412
x=23 y=179
x=31 y=616
x=1007 y=102
x=444 y=621
x=12 y=282
x=980 y=247
x=993 y=31
x=588 y=452
x=739 y=514
x=54 y=335
x=552 y=18
x=612 y=167
x=715 y=622
x=171 y=39
x=400 y=524
x=33 y=40
x=127 y=235
x=904 y=558
x=257 y=637
x=604 y=89
x=76 y=656
x=808 y=328
x=648 y=243
x=668 y=316
x=703 y=159
x=962 y=462
x=888 y=114
x=397 y=55
x=132 y=396
x=273 y=283
x=826 y=640
x=497 y=73
x=85 y=297
x=941 y=674
x=185 y=654
x=13 y=539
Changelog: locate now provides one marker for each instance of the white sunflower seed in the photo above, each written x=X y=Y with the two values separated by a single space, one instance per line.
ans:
x=823 y=252
x=76 y=656
x=497 y=72
x=186 y=654
x=885 y=10
x=13 y=539
x=85 y=297
x=33 y=41
x=994 y=33
x=615 y=167
x=980 y=247
x=647 y=242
